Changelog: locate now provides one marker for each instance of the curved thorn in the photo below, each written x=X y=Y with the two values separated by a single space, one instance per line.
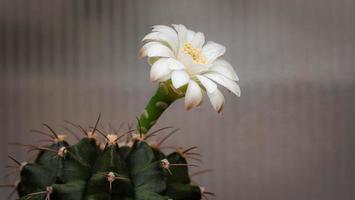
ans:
x=77 y=126
x=156 y=131
x=45 y=141
x=71 y=132
x=83 y=130
x=193 y=158
x=210 y=193
x=97 y=122
x=119 y=137
x=169 y=171
x=166 y=137
x=100 y=132
x=196 y=154
x=184 y=165
x=103 y=128
x=42 y=133
x=13 y=159
x=29 y=196
x=189 y=149
x=130 y=131
x=52 y=131
x=201 y=172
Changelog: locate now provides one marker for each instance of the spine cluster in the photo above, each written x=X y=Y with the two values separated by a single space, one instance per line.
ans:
x=125 y=166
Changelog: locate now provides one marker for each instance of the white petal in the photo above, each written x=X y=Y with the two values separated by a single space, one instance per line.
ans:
x=209 y=85
x=190 y=34
x=179 y=78
x=224 y=81
x=155 y=49
x=182 y=33
x=193 y=95
x=217 y=100
x=223 y=67
x=195 y=68
x=198 y=40
x=175 y=64
x=159 y=69
x=185 y=58
x=164 y=34
x=163 y=38
x=164 y=78
x=167 y=30
x=212 y=51
x=151 y=36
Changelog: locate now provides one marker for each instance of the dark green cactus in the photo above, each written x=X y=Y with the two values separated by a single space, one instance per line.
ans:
x=134 y=170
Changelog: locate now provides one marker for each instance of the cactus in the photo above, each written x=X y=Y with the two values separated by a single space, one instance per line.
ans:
x=131 y=170
x=136 y=169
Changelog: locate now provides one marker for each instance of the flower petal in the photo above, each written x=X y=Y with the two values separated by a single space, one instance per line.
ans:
x=224 y=81
x=175 y=64
x=193 y=95
x=163 y=34
x=163 y=38
x=159 y=69
x=182 y=33
x=164 y=78
x=223 y=67
x=155 y=49
x=166 y=30
x=198 y=40
x=190 y=34
x=179 y=78
x=212 y=51
x=217 y=100
x=209 y=85
x=193 y=68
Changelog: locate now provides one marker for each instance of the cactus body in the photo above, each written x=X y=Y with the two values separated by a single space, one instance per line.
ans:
x=86 y=172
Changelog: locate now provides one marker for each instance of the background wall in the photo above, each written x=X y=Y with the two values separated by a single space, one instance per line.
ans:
x=291 y=135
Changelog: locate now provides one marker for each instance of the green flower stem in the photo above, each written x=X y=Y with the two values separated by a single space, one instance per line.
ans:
x=163 y=98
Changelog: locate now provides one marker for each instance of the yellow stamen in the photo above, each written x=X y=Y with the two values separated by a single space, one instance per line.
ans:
x=195 y=53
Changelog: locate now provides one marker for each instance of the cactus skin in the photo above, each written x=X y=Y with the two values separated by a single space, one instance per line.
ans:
x=83 y=171
x=165 y=95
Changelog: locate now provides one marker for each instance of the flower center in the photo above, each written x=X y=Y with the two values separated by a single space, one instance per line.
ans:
x=195 y=53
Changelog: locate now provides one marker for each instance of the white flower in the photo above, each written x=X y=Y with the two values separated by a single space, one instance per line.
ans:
x=182 y=55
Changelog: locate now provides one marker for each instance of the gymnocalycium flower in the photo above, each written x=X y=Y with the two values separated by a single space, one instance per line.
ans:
x=185 y=66
x=182 y=56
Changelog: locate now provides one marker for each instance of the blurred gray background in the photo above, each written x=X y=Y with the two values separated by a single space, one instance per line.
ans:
x=290 y=136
